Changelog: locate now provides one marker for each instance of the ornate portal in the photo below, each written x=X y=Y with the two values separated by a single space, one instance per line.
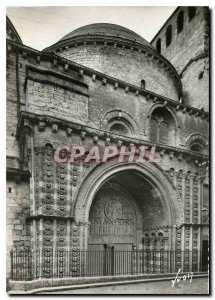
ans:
x=108 y=151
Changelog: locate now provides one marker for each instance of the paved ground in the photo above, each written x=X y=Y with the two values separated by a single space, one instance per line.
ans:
x=197 y=286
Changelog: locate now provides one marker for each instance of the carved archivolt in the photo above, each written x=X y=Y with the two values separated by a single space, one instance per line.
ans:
x=102 y=173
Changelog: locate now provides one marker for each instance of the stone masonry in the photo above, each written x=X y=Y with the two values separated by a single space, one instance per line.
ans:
x=105 y=85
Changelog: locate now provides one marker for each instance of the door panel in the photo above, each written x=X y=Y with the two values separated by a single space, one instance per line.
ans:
x=112 y=223
x=205 y=255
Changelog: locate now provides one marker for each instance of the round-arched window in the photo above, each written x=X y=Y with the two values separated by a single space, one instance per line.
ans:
x=119 y=126
x=162 y=126
x=119 y=129
x=197 y=146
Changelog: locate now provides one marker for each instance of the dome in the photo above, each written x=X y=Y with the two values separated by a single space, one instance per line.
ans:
x=108 y=30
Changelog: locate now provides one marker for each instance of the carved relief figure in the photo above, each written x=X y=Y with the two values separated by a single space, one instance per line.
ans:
x=111 y=214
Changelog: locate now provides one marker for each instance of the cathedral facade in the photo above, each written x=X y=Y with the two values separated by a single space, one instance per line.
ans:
x=103 y=88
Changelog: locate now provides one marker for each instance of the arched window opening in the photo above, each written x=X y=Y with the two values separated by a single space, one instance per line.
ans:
x=158 y=46
x=191 y=12
x=168 y=35
x=119 y=126
x=197 y=147
x=180 y=22
x=143 y=84
x=162 y=126
x=119 y=129
x=154 y=129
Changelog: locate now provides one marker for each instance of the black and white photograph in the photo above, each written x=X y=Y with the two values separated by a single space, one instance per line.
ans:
x=107 y=150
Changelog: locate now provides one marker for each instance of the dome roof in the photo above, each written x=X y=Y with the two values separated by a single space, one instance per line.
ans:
x=106 y=29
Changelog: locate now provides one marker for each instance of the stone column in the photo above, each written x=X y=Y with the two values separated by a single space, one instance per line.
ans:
x=191 y=249
x=36 y=250
x=191 y=177
x=179 y=247
x=191 y=197
x=55 y=254
x=69 y=191
x=183 y=192
x=187 y=208
x=40 y=249
x=196 y=197
x=200 y=196
x=200 y=206
x=175 y=174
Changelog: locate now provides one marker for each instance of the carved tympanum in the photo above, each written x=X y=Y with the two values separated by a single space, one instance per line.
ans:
x=112 y=214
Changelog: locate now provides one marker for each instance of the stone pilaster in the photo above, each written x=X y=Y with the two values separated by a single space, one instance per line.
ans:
x=191 y=197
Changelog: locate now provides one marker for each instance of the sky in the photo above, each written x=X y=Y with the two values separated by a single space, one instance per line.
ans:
x=40 y=27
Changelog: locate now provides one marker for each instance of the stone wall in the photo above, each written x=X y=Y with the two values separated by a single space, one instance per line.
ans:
x=18 y=198
x=11 y=107
x=195 y=81
x=76 y=107
x=185 y=53
x=18 y=209
x=187 y=44
x=56 y=101
x=97 y=104
x=125 y=64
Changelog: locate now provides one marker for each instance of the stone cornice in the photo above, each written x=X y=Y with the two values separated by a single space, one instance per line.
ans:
x=42 y=216
x=102 y=134
x=95 y=75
